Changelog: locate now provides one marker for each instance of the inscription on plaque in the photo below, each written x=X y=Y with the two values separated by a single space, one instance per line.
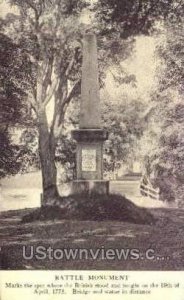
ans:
x=89 y=160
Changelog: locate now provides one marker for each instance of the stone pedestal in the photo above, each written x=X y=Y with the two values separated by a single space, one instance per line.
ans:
x=90 y=187
x=89 y=158
x=89 y=153
x=90 y=161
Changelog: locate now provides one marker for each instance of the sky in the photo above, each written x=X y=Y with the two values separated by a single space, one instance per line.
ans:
x=5 y=8
x=142 y=64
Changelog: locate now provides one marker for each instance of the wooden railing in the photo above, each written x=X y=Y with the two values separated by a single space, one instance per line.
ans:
x=147 y=190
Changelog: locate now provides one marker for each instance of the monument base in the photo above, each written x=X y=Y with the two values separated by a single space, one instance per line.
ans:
x=90 y=187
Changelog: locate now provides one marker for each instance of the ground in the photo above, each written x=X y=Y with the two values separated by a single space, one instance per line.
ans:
x=165 y=237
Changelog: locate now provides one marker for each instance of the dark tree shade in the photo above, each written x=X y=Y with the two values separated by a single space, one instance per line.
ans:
x=131 y=17
x=12 y=102
x=11 y=81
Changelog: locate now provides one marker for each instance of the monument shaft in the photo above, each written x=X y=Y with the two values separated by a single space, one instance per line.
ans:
x=90 y=99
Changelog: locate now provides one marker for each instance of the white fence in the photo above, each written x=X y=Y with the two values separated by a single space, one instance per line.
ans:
x=147 y=190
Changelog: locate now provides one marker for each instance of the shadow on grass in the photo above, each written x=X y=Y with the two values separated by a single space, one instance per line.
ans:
x=93 y=208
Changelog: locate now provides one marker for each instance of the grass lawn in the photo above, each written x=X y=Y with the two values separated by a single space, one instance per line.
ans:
x=165 y=236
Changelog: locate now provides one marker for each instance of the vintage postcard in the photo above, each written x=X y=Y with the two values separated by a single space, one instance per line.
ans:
x=91 y=149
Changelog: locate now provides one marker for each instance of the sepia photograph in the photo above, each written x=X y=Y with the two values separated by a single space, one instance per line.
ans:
x=92 y=136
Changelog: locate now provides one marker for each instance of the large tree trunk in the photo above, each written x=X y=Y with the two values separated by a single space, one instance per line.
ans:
x=47 y=158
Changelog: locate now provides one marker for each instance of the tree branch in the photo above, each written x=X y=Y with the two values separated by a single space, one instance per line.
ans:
x=60 y=111
x=31 y=5
x=48 y=71
x=70 y=65
x=51 y=92
x=71 y=95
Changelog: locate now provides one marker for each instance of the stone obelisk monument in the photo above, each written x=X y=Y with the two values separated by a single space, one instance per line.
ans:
x=90 y=136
